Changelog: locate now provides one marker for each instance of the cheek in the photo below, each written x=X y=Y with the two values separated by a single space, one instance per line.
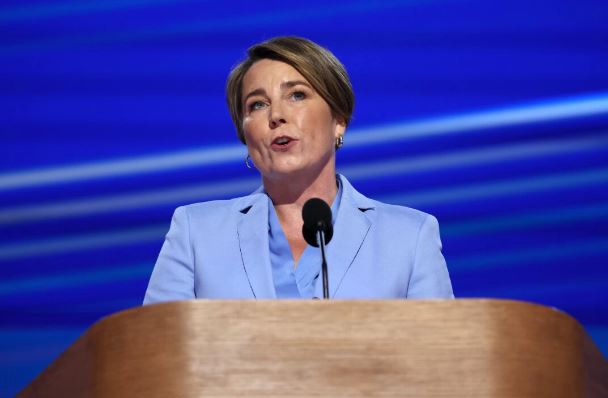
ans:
x=250 y=132
x=255 y=145
x=322 y=121
x=325 y=131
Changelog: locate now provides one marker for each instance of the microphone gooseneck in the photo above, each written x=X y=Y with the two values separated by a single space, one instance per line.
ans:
x=318 y=231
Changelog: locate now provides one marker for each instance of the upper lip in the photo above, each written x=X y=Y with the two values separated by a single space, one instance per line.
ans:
x=280 y=137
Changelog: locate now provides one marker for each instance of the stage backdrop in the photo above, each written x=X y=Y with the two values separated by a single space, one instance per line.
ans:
x=491 y=115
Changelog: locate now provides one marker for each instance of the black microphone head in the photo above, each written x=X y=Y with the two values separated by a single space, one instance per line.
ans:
x=315 y=210
x=317 y=217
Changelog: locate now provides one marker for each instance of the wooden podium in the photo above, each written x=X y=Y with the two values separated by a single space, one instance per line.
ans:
x=454 y=348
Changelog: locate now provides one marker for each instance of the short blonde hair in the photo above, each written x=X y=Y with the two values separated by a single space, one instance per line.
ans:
x=317 y=64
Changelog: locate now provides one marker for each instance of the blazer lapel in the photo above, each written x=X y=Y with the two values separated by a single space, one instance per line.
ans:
x=355 y=217
x=252 y=230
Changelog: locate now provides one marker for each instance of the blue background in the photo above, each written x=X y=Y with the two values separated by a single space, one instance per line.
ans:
x=493 y=116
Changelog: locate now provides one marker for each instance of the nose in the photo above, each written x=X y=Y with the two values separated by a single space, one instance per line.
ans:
x=276 y=116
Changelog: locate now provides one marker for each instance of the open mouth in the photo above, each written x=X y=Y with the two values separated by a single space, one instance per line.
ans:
x=282 y=143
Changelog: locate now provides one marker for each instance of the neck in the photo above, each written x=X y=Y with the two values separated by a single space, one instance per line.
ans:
x=290 y=192
x=295 y=189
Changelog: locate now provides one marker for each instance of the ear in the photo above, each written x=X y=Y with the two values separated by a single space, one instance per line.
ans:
x=340 y=127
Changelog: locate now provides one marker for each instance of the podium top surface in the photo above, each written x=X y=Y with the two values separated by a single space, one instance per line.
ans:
x=423 y=348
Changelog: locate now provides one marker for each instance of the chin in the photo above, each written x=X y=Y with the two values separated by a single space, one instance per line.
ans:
x=285 y=172
x=294 y=167
x=288 y=171
x=288 y=167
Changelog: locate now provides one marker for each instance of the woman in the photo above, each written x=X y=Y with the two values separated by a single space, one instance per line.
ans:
x=291 y=101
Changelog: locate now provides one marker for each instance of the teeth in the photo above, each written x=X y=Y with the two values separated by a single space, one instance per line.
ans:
x=282 y=140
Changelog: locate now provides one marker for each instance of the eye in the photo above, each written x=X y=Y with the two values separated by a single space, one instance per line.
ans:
x=256 y=105
x=298 y=95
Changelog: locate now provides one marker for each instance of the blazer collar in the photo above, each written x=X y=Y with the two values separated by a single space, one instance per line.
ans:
x=355 y=217
x=252 y=232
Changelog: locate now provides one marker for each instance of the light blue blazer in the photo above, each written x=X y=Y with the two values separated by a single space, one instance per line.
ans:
x=219 y=250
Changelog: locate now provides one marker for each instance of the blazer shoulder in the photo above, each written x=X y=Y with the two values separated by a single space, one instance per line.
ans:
x=401 y=214
x=385 y=212
x=218 y=209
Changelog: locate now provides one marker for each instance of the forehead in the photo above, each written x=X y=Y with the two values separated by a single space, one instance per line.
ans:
x=267 y=74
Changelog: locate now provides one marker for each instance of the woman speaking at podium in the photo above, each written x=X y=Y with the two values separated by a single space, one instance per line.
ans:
x=291 y=101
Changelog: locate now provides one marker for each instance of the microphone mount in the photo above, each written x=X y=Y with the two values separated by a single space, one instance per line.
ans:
x=318 y=231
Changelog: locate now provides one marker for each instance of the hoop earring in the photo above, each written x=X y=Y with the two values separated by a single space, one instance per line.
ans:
x=247 y=159
x=339 y=141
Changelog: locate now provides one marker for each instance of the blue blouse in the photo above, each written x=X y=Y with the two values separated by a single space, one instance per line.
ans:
x=289 y=282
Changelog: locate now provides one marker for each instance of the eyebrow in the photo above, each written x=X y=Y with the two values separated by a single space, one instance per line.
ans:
x=284 y=85
x=292 y=83
x=257 y=91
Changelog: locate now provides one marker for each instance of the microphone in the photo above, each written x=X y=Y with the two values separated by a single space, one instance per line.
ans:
x=317 y=217
x=318 y=231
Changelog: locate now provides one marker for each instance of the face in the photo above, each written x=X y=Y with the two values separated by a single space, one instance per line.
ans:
x=288 y=126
